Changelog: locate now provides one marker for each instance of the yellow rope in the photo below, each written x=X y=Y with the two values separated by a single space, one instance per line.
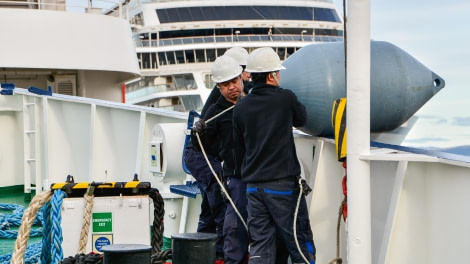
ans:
x=26 y=223
x=86 y=222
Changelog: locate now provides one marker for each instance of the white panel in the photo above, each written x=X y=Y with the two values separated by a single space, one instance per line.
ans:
x=130 y=221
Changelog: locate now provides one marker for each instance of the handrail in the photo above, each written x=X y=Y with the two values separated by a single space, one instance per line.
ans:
x=230 y=38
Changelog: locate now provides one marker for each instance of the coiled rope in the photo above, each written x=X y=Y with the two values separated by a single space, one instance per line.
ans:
x=27 y=221
x=14 y=219
x=32 y=255
x=84 y=259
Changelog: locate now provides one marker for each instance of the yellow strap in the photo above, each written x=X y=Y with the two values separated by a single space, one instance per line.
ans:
x=338 y=120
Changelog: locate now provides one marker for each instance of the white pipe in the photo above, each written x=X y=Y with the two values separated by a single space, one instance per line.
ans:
x=358 y=125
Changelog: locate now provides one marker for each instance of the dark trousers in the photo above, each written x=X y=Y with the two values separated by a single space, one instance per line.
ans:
x=271 y=210
x=211 y=219
x=236 y=236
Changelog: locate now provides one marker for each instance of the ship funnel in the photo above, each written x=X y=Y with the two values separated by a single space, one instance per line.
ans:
x=399 y=84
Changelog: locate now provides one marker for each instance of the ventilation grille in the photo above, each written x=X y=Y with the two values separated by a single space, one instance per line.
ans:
x=64 y=84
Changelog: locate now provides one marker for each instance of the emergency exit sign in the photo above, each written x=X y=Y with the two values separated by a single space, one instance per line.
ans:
x=102 y=222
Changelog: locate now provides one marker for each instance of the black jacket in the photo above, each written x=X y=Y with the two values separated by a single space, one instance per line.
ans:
x=262 y=123
x=218 y=137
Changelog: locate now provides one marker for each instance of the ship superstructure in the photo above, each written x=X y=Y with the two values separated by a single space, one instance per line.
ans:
x=176 y=41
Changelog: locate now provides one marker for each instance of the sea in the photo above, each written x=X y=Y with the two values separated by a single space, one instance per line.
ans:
x=460 y=150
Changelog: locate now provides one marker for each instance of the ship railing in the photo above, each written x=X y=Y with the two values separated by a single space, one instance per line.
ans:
x=234 y=39
x=141 y=92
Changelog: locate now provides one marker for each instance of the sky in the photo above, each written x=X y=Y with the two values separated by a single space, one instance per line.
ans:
x=437 y=34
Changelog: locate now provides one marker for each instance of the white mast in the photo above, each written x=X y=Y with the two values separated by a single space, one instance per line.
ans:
x=358 y=124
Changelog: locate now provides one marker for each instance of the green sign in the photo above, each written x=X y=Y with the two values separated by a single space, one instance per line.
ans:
x=102 y=222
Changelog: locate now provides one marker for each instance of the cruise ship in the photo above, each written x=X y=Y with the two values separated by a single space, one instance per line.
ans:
x=177 y=41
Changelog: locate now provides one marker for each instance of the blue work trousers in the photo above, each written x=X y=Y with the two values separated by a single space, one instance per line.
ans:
x=211 y=218
x=271 y=211
x=236 y=235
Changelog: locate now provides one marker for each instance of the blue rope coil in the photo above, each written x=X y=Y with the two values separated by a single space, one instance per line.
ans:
x=15 y=217
x=32 y=255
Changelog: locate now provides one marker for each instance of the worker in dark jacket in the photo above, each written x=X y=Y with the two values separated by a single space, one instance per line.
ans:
x=263 y=122
x=227 y=73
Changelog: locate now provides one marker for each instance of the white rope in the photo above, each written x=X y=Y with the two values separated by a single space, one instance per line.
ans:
x=217 y=115
x=217 y=178
x=295 y=222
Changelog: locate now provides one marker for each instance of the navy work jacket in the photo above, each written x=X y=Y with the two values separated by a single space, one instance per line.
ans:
x=263 y=121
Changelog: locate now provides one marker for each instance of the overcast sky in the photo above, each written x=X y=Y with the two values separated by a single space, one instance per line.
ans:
x=436 y=33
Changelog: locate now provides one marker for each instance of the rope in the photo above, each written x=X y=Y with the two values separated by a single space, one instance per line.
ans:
x=46 y=240
x=341 y=213
x=56 y=232
x=161 y=257
x=295 y=222
x=338 y=226
x=14 y=218
x=33 y=255
x=14 y=233
x=91 y=258
x=86 y=222
x=217 y=178
x=157 y=227
x=28 y=218
x=217 y=115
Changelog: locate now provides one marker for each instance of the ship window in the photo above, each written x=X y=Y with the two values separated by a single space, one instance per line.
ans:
x=185 y=82
x=220 y=52
x=145 y=61
x=191 y=102
x=208 y=81
x=170 y=56
x=282 y=53
x=179 y=56
x=162 y=59
x=189 y=56
x=210 y=55
x=153 y=59
x=208 y=13
x=325 y=14
x=200 y=56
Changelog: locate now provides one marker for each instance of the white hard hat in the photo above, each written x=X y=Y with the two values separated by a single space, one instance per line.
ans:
x=238 y=53
x=225 y=68
x=263 y=60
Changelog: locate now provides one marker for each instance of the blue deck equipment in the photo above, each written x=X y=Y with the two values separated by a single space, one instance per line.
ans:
x=40 y=91
x=190 y=189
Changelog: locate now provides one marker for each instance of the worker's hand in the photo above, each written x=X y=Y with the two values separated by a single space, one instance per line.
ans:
x=199 y=126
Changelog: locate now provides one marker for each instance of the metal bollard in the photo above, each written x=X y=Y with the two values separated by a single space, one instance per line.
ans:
x=126 y=254
x=193 y=248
